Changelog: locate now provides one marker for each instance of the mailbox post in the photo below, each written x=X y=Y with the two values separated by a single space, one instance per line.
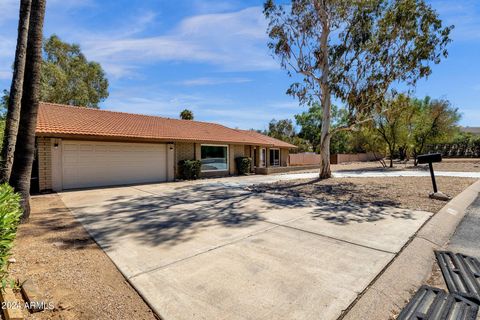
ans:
x=430 y=159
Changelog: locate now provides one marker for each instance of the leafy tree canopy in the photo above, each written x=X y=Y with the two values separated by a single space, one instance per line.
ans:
x=285 y=130
x=69 y=78
x=369 y=46
x=186 y=114
x=4 y=104
x=408 y=125
x=281 y=129
x=310 y=123
x=432 y=121
x=354 y=51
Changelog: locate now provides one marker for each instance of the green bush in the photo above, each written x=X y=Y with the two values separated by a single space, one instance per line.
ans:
x=243 y=165
x=10 y=213
x=190 y=169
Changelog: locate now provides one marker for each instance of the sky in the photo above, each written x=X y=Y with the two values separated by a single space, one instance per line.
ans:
x=211 y=56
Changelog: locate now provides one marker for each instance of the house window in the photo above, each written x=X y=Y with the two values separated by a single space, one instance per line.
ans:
x=214 y=158
x=274 y=157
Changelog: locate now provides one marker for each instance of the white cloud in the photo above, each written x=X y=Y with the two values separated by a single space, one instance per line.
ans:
x=230 y=41
x=7 y=51
x=155 y=100
x=213 y=6
x=71 y=4
x=9 y=10
x=5 y=75
x=165 y=104
x=234 y=41
x=464 y=15
x=470 y=116
x=207 y=81
x=6 y=45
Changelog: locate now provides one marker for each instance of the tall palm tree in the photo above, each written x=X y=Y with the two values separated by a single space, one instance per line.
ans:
x=25 y=146
x=16 y=89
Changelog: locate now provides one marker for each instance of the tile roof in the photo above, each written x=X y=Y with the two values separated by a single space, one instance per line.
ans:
x=62 y=120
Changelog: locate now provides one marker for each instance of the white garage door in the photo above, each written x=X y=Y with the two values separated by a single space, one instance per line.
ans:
x=94 y=164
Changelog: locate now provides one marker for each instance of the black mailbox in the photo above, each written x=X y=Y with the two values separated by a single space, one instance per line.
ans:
x=429 y=158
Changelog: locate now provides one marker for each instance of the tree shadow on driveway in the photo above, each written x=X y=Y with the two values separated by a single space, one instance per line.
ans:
x=178 y=214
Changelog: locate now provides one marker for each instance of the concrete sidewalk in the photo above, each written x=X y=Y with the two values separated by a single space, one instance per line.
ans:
x=255 y=179
x=411 y=268
x=212 y=249
x=241 y=181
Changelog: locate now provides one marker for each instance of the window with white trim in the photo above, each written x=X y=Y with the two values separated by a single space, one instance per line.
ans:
x=214 y=158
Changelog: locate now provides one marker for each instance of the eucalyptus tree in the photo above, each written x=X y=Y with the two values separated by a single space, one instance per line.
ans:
x=355 y=52
x=69 y=78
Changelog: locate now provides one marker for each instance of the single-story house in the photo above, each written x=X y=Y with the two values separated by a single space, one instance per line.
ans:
x=472 y=130
x=81 y=147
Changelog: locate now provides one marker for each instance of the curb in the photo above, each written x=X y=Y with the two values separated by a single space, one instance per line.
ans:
x=10 y=305
x=388 y=293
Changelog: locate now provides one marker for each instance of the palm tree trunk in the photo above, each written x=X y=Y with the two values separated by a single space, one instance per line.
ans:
x=25 y=146
x=16 y=89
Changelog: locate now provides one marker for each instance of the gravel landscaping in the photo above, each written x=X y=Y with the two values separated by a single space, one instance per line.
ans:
x=452 y=164
x=71 y=270
x=404 y=192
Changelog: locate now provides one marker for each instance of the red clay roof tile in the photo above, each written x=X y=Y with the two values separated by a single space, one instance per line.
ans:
x=56 y=119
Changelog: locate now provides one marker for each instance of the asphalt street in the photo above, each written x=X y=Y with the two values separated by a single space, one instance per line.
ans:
x=466 y=238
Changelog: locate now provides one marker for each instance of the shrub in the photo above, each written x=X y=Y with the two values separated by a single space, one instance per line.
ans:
x=190 y=169
x=10 y=212
x=243 y=165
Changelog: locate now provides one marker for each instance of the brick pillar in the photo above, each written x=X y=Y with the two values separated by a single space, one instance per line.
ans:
x=170 y=162
x=267 y=157
x=252 y=165
x=231 y=159
x=198 y=151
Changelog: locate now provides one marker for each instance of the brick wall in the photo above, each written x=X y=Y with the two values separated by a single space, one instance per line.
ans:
x=284 y=157
x=44 y=163
x=183 y=151
x=247 y=151
x=238 y=151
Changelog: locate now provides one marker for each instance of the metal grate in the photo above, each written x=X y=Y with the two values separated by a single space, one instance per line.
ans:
x=435 y=304
x=461 y=274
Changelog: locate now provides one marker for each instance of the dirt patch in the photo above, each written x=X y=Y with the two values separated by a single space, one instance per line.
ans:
x=404 y=192
x=56 y=252
x=457 y=165
x=436 y=278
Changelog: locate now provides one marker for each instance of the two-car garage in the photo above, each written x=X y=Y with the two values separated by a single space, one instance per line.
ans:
x=83 y=164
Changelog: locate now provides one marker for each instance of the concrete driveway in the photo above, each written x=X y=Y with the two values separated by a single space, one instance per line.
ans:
x=216 y=250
